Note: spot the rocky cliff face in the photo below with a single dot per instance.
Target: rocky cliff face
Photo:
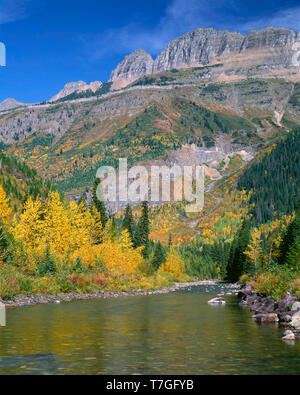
(9, 104)
(69, 88)
(197, 48)
(134, 66)
(269, 38)
(258, 50)
(93, 86)
(78, 87)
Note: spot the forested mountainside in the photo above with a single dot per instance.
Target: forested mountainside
(21, 181)
(252, 81)
(66, 142)
(275, 179)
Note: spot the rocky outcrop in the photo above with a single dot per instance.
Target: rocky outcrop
(269, 38)
(264, 50)
(134, 66)
(93, 86)
(9, 104)
(78, 87)
(197, 48)
(69, 88)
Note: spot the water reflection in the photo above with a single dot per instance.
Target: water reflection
(176, 333)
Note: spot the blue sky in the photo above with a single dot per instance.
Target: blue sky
(51, 42)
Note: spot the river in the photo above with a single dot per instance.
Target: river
(176, 333)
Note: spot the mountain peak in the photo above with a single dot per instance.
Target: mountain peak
(9, 104)
(136, 65)
(69, 88)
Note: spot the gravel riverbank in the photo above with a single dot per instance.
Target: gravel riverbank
(29, 300)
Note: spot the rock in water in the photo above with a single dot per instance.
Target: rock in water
(217, 301)
(288, 335)
(270, 317)
(296, 320)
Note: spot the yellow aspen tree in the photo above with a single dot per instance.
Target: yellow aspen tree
(174, 265)
(5, 209)
(56, 225)
(28, 227)
(97, 229)
(254, 250)
(81, 223)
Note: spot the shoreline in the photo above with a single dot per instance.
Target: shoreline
(285, 312)
(39, 299)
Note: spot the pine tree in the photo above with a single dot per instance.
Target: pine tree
(293, 256)
(291, 238)
(128, 221)
(113, 228)
(238, 262)
(159, 256)
(99, 204)
(143, 227)
(48, 265)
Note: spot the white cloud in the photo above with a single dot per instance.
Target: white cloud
(13, 10)
(286, 18)
(181, 16)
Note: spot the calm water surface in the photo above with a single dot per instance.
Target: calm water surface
(177, 333)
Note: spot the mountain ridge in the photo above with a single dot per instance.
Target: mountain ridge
(207, 46)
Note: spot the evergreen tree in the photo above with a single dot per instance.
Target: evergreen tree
(128, 222)
(291, 238)
(113, 230)
(47, 266)
(238, 262)
(143, 227)
(159, 256)
(99, 204)
(274, 179)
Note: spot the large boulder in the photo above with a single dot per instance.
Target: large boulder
(295, 306)
(288, 335)
(245, 291)
(217, 301)
(284, 304)
(285, 316)
(266, 305)
(296, 320)
(269, 317)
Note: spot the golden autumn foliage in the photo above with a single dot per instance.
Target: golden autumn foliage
(72, 232)
(173, 265)
(119, 256)
(5, 210)
(255, 250)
